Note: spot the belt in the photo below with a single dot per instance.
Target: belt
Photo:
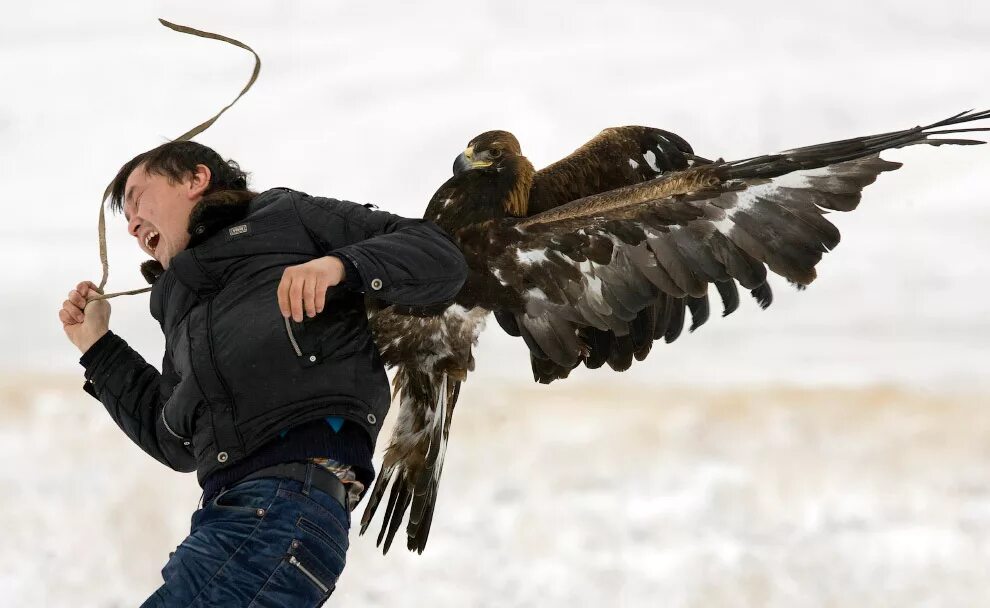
(321, 478)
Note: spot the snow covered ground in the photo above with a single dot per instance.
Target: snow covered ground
(830, 451)
(565, 497)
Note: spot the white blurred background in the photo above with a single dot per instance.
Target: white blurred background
(829, 451)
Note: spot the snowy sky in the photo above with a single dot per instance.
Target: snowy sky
(370, 104)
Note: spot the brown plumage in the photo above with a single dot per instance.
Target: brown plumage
(604, 164)
(616, 157)
(595, 257)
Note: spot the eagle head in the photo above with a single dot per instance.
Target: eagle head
(489, 148)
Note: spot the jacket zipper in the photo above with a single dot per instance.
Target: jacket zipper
(169, 429)
(213, 359)
(295, 562)
(292, 338)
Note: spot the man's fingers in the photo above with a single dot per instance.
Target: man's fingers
(283, 294)
(77, 298)
(309, 297)
(88, 290)
(85, 287)
(302, 292)
(72, 310)
(66, 318)
(321, 295)
(295, 300)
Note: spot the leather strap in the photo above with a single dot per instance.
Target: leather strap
(101, 226)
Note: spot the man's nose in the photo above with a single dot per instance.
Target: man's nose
(133, 226)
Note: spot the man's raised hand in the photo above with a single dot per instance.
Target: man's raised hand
(83, 319)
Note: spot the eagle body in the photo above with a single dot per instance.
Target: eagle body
(596, 257)
(433, 344)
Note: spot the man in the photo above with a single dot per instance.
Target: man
(271, 387)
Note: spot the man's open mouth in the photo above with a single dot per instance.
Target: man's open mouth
(151, 240)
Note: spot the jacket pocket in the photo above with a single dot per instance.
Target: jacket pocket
(175, 430)
(333, 334)
(171, 431)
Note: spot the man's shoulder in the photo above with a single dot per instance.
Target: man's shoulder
(283, 197)
(274, 196)
(282, 200)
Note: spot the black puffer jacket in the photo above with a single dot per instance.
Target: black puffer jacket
(236, 372)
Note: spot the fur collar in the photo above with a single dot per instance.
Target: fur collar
(213, 212)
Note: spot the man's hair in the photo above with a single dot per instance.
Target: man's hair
(176, 160)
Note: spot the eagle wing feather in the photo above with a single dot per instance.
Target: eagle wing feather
(616, 157)
(663, 256)
(670, 238)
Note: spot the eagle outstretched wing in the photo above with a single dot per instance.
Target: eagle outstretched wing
(599, 279)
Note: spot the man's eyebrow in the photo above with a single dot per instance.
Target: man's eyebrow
(130, 193)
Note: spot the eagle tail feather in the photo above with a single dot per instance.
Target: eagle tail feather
(414, 459)
(427, 482)
(384, 477)
(395, 498)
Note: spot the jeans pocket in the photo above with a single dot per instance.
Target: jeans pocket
(335, 538)
(253, 496)
(302, 576)
(319, 572)
(320, 508)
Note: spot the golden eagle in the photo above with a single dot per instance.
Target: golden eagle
(593, 258)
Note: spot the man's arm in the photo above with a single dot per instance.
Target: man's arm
(402, 260)
(134, 394)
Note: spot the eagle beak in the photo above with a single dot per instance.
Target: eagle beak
(461, 163)
(465, 161)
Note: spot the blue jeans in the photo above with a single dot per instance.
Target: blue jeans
(263, 542)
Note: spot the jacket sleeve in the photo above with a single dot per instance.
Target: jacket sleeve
(401, 260)
(134, 394)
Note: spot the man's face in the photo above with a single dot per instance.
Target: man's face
(157, 211)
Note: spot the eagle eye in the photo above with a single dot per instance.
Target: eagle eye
(495, 153)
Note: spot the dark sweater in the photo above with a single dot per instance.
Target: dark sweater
(350, 445)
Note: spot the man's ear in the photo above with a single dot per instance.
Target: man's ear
(200, 181)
